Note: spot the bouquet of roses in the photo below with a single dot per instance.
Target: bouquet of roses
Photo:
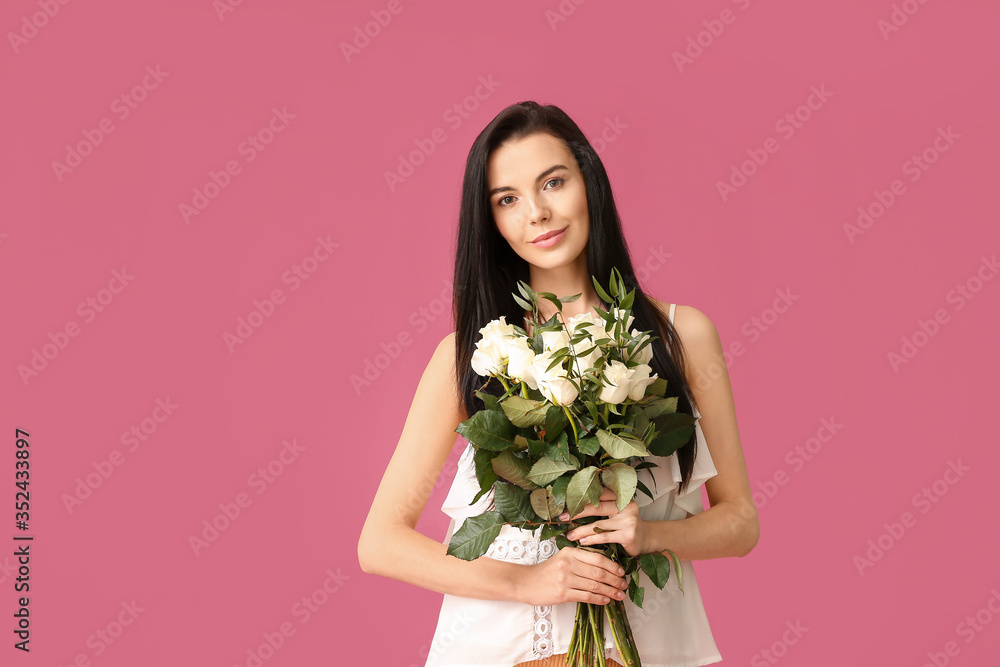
(581, 411)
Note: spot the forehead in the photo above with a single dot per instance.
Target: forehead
(523, 159)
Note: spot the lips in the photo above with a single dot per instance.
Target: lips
(548, 235)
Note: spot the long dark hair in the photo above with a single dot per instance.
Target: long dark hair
(487, 268)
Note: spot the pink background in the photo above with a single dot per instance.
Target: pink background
(681, 130)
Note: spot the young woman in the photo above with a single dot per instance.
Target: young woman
(537, 206)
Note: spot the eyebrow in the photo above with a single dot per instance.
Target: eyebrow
(507, 188)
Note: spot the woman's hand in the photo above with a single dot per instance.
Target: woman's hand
(626, 528)
(572, 575)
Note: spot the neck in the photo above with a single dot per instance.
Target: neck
(565, 281)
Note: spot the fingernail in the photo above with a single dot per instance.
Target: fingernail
(621, 571)
(564, 516)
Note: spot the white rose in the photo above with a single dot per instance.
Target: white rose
(519, 358)
(645, 355)
(582, 363)
(553, 383)
(588, 323)
(640, 380)
(487, 360)
(492, 346)
(497, 332)
(618, 383)
(619, 312)
(555, 340)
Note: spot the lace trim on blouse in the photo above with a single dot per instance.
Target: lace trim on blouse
(537, 551)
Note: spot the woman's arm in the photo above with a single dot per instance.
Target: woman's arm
(389, 544)
(729, 527)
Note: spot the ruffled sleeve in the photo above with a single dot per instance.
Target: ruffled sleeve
(664, 480)
(463, 489)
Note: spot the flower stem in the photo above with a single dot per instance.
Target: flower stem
(569, 416)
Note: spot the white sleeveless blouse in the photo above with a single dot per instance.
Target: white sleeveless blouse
(671, 629)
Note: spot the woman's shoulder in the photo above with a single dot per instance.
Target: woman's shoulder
(692, 325)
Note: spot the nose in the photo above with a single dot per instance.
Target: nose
(536, 211)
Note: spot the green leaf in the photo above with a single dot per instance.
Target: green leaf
(550, 530)
(657, 387)
(562, 542)
(484, 472)
(513, 503)
(521, 302)
(513, 469)
(524, 412)
(536, 448)
(600, 291)
(555, 422)
(489, 400)
(677, 569)
(627, 301)
(589, 445)
(571, 299)
(559, 450)
(546, 470)
(673, 431)
(621, 479)
(544, 504)
(635, 591)
(619, 447)
(642, 487)
(525, 289)
(660, 406)
(559, 490)
(584, 486)
(657, 568)
(551, 297)
(474, 537)
(489, 430)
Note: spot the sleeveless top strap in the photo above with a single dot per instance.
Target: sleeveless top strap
(671, 313)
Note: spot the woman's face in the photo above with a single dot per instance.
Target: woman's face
(536, 187)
